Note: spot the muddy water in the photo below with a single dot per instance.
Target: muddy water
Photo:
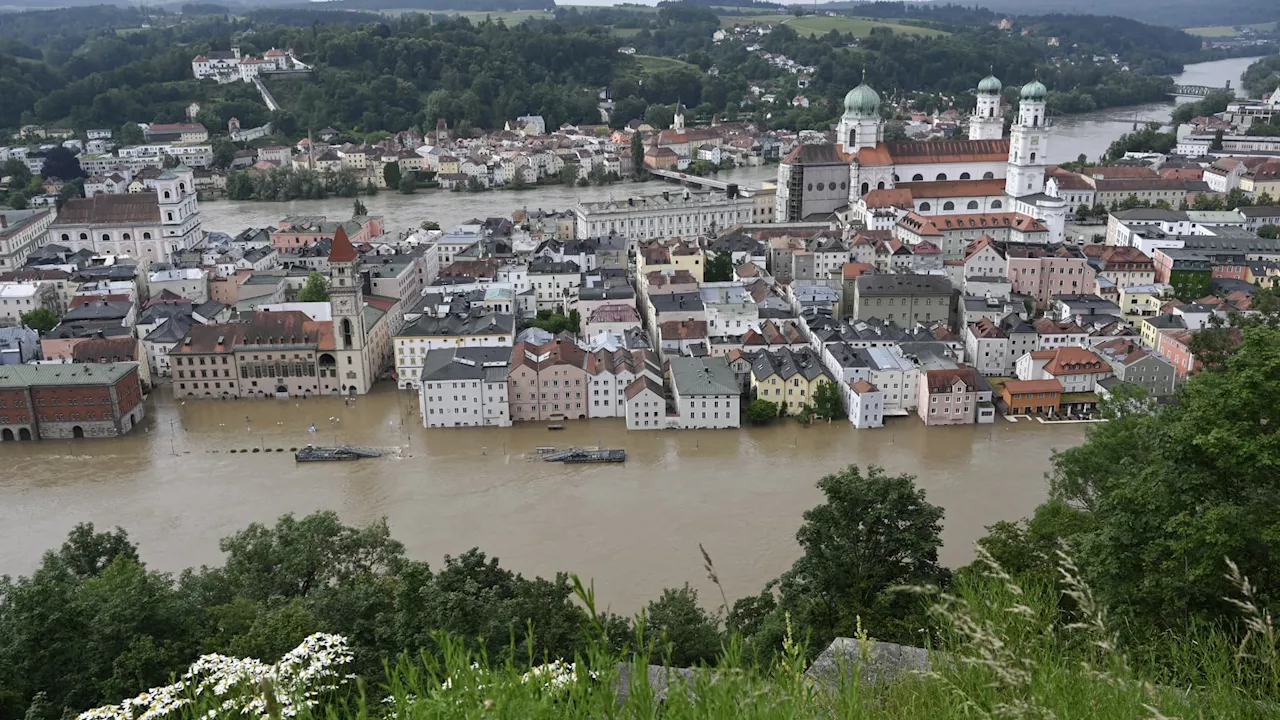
(634, 528)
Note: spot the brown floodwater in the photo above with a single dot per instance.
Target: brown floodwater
(634, 528)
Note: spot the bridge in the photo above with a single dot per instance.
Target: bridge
(1196, 90)
(699, 182)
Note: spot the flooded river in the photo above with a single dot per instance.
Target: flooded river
(633, 528)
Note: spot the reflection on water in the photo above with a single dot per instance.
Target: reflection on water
(634, 528)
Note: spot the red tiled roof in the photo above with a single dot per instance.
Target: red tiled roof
(1074, 361)
(920, 151)
(1032, 386)
(953, 188)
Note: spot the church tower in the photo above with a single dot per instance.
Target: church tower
(678, 123)
(860, 126)
(179, 213)
(346, 296)
(987, 123)
(1028, 144)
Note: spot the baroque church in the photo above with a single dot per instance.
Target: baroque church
(863, 178)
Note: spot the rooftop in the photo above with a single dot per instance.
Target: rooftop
(17, 376)
(702, 376)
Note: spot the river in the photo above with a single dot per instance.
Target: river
(633, 528)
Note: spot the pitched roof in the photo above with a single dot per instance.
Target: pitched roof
(105, 209)
(1033, 386)
(93, 350)
(910, 152)
(953, 188)
(642, 383)
(943, 380)
(1071, 361)
(342, 251)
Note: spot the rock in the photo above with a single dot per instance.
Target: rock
(884, 662)
(660, 679)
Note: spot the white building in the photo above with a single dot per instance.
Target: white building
(144, 226)
(646, 408)
(21, 231)
(866, 405)
(682, 214)
(896, 376)
(465, 387)
(705, 392)
(19, 298)
(192, 284)
(413, 342)
(987, 347)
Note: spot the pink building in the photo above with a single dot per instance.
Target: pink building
(949, 397)
(548, 382)
(1043, 271)
(296, 232)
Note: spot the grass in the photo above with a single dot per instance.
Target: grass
(624, 32)
(813, 25)
(654, 63)
(1229, 31)
(1010, 650)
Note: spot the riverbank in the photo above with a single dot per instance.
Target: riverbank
(633, 527)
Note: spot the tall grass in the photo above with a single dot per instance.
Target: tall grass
(1006, 652)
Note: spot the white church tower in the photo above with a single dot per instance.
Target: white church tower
(179, 211)
(860, 126)
(987, 122)
(1028, 144)
(677, 123)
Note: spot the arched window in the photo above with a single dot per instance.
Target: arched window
(1033, 157)
(146, 236)
(924, 206)
(996, 204)
(917, 177)
(346, 333)
(84, 236)
(182, 187)
(866, 188)
(166, 195)
(973, 205)
(948, 205)
(106, 237)
(169, 215)
(126, 237)
(988, 175)
(896, 178)
(991, 112)
(66, 237)
(964, 176)
(1035, 121)
(941, 176)
(880, 185)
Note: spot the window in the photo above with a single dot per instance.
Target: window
(925, 207)
(973, 205)
(941, 176)
(917, 177)
(948, 205)
(964, 176)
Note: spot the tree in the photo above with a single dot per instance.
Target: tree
(637, 154)
(1269, 231)
(42, 320)
(827, 402)
(17, 172)
(61, 163)
(760, 412)
(689, 635)
(73, 189)
(873, 534)
(568, 174)
(430, 225)
(316, 289)
(224, 153)
(719, 267)
(391, 174)
(1216, 144)
(129, 134)
(358, 209)
(408, 185)
(17, 200)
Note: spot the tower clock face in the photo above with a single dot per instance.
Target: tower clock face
(342, 305)
(1035, 139)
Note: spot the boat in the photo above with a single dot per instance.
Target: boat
(555, 427)
(584, 455)
(312, 453)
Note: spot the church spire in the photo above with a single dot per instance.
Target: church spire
(342, 250)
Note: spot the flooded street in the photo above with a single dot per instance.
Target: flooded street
(633, 528)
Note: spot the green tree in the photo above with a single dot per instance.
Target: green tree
(358, 209)
(41, 320)
(71, 190)
(128, 134)
(688, 635)
(637, 155)
(1269, 231)
(391, 174)
(17, 172)
(316, 289)
(61, 163)
(1216, 143)
(719, 267)
(760, 412)
(408, 185)
(569, 174)
(873, 534)
(430, 225)
(827, 402)
(224, 153)
(17, 200)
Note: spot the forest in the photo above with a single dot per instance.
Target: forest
(1150, 528)
(95, 67)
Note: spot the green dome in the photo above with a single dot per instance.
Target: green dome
(862, 101)
(1034, 91)
(990, 85)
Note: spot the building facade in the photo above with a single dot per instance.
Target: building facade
(45, 402)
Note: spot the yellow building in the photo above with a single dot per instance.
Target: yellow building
(1152, 327)
(1140, 301)
(660, 255)
(449, 165)
(788, 377)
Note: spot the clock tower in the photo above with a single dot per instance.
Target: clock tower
(346, 297)
(1028, 144)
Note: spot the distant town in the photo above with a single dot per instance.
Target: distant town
(958, 280)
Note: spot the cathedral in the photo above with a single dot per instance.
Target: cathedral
(987, 174)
